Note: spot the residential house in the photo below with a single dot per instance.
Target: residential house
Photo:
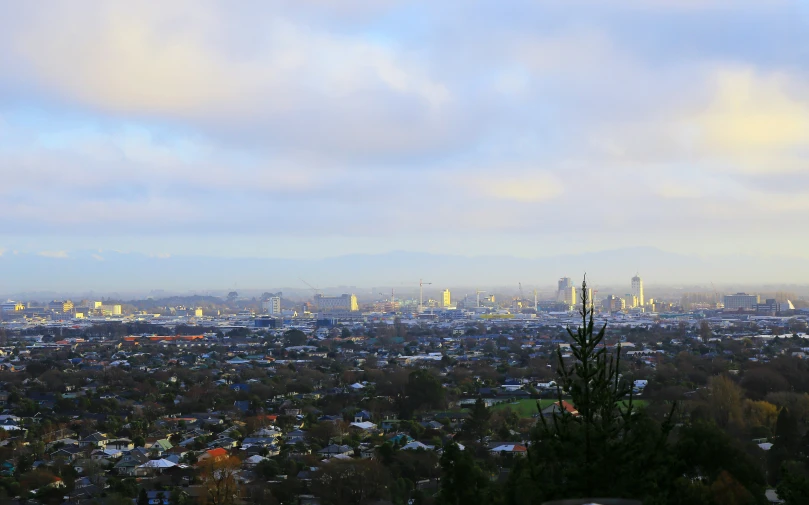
(515, 449)
(129, 463)
(158, 497)
(554, 408)
(68, 453)
(362, 416)
(217, 454)
(365, 426)
(253, 461)
(95, 440)
(334, 450)
(121, 444)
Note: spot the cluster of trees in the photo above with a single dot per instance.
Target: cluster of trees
(609, 448)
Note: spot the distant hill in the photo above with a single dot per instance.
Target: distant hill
(135, 275)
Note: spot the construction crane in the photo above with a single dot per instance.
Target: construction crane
(421, 294)
(477, 293)
(316, 290)
(536, 304)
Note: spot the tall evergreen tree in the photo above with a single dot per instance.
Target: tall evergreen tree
(477, 424)
(463, 482)
(603, 448)
(786, 443)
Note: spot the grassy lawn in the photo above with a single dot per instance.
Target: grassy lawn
(637, 403)
(528, 407)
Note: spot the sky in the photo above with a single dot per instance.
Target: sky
(315, 128)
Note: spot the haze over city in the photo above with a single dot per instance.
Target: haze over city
(388, 252)
(303, 130)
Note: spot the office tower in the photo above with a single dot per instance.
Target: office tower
(564, 285)
(630, 301)
(447, 299)
(272, 305)
(568, 295)
(637, 290)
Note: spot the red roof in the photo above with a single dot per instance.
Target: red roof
(570, 408)
(217, 452)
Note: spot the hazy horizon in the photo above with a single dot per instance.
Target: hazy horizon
(108, 272)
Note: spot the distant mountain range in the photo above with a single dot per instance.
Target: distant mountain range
(129, 274)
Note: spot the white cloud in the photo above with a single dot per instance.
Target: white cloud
(53, 254)
(317, 119)
(259, 83)
(760, 123)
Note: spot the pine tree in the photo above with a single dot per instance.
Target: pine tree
(477, 424)
(603, 448)
(463, 482)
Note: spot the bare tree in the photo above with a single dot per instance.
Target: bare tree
(219, 480)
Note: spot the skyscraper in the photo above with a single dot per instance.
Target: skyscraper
(447, 299)
(637, 290)
(564, 286)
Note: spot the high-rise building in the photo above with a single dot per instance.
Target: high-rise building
(564, 289)
(568, 295)
(637, 290)
(741, 301)
(447, 298)
(272, 305)
(630, 301)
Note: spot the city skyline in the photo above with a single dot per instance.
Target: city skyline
(310, 130)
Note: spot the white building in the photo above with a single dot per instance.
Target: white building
(272, 306)
(637, 290)
(343, 302)
(741, 301)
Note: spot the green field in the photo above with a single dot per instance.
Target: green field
(528, 407)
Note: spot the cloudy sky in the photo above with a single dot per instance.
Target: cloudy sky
(313, 128)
